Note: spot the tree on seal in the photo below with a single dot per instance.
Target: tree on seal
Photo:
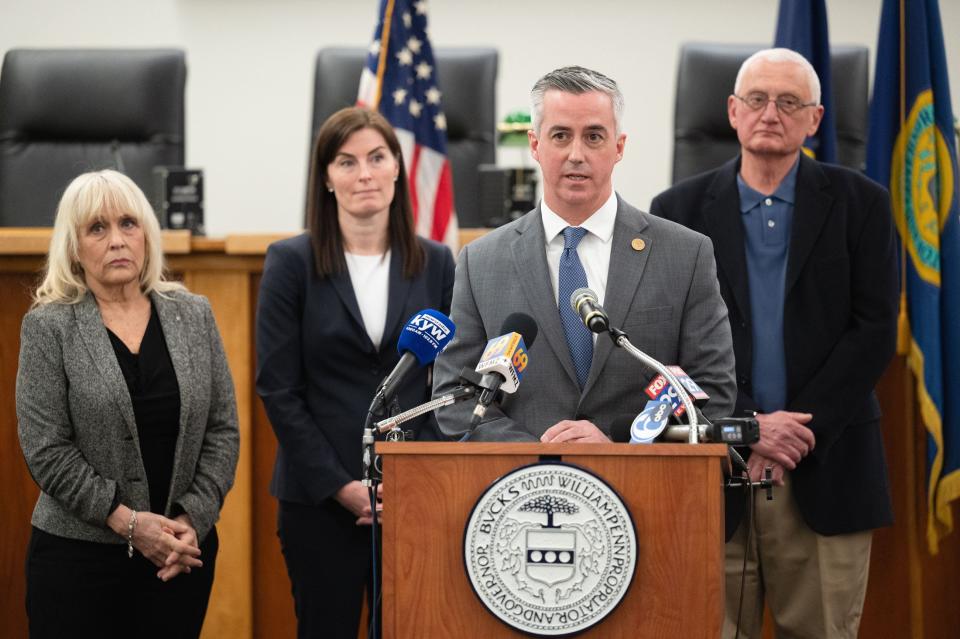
(550, 505)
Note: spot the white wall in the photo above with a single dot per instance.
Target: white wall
(250, 62)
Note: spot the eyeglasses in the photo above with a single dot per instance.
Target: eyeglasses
(786, 104)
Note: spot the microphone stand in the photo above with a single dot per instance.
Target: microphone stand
(370, 483)
(620, 339)
(369, 479)
(765, 484)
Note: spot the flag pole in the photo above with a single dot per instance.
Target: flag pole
(384, 48)
(903, 320)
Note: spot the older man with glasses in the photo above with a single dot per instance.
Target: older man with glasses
(807, 267)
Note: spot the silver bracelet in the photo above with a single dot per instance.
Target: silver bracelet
(130, 526)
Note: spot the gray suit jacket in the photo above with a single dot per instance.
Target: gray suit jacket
(665, 296)
(77, 427)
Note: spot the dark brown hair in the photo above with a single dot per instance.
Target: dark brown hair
(322, 222)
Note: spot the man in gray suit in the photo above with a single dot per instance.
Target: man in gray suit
(656, 279)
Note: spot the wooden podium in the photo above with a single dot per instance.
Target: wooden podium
(673, 492)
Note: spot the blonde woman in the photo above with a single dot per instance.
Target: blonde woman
(128, 424)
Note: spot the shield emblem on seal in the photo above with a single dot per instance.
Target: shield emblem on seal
(551, 555)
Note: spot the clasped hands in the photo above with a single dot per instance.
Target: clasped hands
(171, 544)
(785, 439)
(355, 497)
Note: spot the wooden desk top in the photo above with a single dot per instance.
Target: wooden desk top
(30, 241)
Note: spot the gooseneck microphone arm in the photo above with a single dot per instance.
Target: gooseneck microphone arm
(458, 394)
(585, 303)
(623, 341)
(371, 430)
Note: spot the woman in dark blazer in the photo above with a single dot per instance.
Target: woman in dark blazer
(128, 424)
(332, 303)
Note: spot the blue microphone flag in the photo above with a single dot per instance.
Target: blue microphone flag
(425, 335)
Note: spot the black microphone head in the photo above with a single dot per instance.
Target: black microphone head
(620, 428)
(586, 304)
(583, 294)
(523, 324)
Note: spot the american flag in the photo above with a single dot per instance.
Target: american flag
(400, 80)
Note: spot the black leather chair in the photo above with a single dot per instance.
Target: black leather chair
(67, 111)
(466, 76)
(703, 138)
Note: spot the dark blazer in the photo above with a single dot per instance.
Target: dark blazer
(317, 369)
(77, 427)
(664, 296)
(840, 312)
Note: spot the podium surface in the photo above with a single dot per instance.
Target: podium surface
(672, 491)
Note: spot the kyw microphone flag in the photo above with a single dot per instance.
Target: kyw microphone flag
(912, 150)
(399, 79)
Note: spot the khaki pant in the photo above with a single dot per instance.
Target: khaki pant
(814, 585)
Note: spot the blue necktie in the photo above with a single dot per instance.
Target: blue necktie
(572, 277)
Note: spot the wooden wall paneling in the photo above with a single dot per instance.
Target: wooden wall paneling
(18, 492)
(889, 602)
(273, 612)
(230, 613)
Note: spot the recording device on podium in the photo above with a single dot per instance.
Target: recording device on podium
(653, 422)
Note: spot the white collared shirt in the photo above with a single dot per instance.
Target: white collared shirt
(370, 277)
(593, 250)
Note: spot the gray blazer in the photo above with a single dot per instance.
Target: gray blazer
(665, 296)
(77, 427)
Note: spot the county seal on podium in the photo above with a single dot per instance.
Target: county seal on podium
(550, 549)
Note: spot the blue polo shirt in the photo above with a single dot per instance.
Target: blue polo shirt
(767, 220)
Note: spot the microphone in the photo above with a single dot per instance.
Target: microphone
(503, 361)
(620, 339)
(425, 334)
(733, 431)
(642, 428)
(585, 303)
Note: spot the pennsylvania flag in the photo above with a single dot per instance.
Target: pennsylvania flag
(911, 147)
(802, 26)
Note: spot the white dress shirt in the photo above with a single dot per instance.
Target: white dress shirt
(593, 250)
(370, 276)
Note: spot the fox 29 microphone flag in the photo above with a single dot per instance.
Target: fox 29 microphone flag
(912, 150)
(400, 80)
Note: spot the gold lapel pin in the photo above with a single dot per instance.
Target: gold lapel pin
(638, 244)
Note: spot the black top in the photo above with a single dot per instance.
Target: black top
(155, 394)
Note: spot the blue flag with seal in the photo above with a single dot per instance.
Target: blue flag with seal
(802, 26)
(912, 149)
